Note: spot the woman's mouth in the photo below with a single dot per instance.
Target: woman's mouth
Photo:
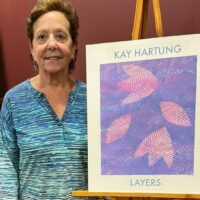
(53, 57)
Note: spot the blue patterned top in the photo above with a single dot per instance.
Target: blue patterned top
(42, 157)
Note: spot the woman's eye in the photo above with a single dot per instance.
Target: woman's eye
(42, 37)
(60, 37)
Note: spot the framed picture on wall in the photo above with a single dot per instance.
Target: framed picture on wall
(143, 113)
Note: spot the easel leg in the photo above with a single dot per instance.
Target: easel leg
(137, 19)
(158, 19)
(144, 18)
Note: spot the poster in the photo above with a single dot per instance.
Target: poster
(143, 115)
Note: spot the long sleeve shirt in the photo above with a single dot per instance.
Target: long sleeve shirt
(42, 157)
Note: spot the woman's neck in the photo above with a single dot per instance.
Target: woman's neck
(44, 83)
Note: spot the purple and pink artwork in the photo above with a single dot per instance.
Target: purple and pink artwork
(147, 116)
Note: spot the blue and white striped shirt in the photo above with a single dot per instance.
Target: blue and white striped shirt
(42, 157)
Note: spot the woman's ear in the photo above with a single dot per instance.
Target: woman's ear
(74, 49)
(34, 63)
(31, 49)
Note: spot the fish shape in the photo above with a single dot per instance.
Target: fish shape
(157, 145)
(141, 83)
(118, 128)
(174, 113)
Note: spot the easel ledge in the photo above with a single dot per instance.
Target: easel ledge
(84, 193)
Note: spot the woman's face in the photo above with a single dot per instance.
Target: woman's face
(52, 47)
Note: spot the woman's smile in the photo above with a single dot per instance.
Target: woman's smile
(53, 57)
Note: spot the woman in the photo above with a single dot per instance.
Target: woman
(43, 153)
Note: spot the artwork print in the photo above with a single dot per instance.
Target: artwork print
(147, 116)
(143, 106)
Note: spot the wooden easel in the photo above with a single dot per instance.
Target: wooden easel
(140, 19)
(139, 31)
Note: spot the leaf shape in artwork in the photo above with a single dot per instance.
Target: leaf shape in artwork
(174, 113)
(141, 83)
(118, 128)
(157, 145)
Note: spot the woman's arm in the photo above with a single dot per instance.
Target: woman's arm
(9, 155)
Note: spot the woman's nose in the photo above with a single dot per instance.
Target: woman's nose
(52, 44)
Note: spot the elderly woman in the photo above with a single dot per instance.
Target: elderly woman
(43, 130)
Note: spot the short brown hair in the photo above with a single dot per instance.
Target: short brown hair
(44, 6)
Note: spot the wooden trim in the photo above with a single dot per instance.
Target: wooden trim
(119, 195)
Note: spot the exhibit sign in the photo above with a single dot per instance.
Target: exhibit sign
(143, 115)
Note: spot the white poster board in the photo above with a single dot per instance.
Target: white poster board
(143, 115)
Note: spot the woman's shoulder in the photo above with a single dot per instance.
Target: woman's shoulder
(81, 83)
(81, 86)
(80, 91)
(16, 90)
